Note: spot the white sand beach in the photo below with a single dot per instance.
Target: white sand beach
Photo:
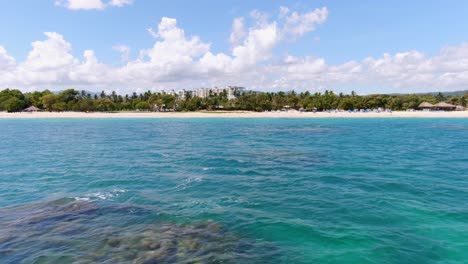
(237, 114)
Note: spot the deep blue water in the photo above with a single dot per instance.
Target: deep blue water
(234, 191)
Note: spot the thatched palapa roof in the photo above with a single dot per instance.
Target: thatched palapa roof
(426, 105)
(31, 109)
(444, 105)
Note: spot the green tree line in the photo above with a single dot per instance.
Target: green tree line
(12, 100)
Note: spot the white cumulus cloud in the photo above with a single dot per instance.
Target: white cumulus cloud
(238, 31)
(297, 25)
(283, 11)
(81, 4)
(124, 52)
(50, 54)
(91, 4)
(120, 3)
(6, 61)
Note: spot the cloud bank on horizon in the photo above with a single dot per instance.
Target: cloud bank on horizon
(179, 60)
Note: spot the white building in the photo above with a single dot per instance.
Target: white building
(232, 92)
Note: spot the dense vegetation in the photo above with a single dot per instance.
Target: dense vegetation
(73, 100)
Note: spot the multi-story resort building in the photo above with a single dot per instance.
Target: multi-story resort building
(232, 92)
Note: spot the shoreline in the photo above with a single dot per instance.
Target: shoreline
(234, 114)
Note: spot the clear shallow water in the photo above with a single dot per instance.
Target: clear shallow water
(234, 191)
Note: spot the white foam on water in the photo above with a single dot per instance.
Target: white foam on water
(101, 195)
(186, 183)
(193, 179)
(84, 199)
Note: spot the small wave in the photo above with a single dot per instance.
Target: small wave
(84, 199)
(449, 127)
(186, 183)
(193, 179)
(298, 130)
(236, 160)
(101, 195)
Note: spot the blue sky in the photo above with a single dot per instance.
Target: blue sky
(331, 53)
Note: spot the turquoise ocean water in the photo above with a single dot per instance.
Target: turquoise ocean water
(234, 191)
